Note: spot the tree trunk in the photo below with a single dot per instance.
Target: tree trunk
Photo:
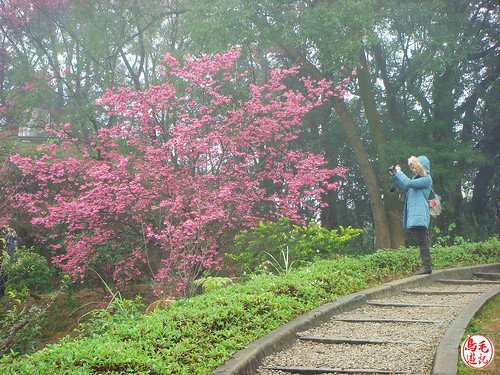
(397, 120)
(391, 206)
(382, 232)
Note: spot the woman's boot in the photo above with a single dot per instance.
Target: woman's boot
(425, 255)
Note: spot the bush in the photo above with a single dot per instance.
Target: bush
(406, 260)
(280, 243)
(196, 335)
(30, 271)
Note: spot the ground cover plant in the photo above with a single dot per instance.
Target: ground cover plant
(195, 335)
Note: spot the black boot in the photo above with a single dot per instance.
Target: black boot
(425, 255)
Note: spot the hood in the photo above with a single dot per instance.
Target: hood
(425, 163)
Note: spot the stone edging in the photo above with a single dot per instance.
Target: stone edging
(246, 361)
(446, 357)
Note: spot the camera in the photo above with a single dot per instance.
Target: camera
(392, 169)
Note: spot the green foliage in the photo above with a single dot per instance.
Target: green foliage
(467, 253)
(196, 335)
(400, 261)
(118, 309)
(211, 283)
(476, 228)
(281, 264)
(403, 260)
(30, 271)
(104, 255)
(24, 99)
(446, 237)
(281, 243)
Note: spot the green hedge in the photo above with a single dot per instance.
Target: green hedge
(196, 335)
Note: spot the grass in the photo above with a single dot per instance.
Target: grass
(196, 335)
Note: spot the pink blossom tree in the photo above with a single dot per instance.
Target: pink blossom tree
(186, 164)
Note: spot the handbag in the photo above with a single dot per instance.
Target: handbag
(435, 207)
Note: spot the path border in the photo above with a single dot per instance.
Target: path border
(446, 357)
(248, 360)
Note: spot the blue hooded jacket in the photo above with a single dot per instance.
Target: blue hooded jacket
(416, 206)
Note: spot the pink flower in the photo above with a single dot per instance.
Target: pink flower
(182, 170)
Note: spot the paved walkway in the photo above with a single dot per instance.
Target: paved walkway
(403, 327)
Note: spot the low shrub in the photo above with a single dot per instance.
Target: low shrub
(30, 271)
(195, 335)
(279, 245)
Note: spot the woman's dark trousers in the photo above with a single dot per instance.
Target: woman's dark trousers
(422, 237)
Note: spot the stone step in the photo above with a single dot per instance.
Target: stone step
(376, 320)
(329, 370)
(398, 304)
(439, 292)
(467, 282)
(495, 276)
(346, 340)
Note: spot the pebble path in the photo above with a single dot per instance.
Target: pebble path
(395, 335)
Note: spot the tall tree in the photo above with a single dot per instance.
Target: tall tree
(414, 67)
(68, 52)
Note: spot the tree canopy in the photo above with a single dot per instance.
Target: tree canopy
(425, 82)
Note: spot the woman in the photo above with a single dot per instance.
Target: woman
(416, 216)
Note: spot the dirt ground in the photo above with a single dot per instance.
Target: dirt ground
(66, 311)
